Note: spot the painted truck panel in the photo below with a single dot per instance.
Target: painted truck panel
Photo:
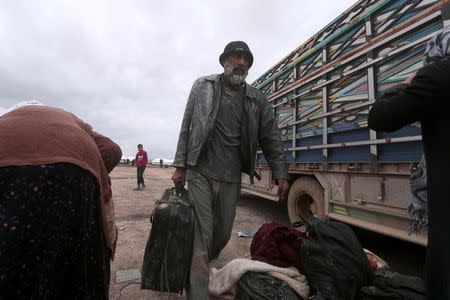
(321, 94)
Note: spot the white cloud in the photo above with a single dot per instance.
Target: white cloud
(126, 67)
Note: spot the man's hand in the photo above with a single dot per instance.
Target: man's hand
(283, 188)
(179, 175)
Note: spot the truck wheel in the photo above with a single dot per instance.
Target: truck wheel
(305, 199)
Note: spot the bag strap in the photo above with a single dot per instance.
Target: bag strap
(323, 244)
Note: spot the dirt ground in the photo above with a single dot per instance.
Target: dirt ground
(133, 209)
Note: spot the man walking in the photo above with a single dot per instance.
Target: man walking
(224, 121)
(141, 161)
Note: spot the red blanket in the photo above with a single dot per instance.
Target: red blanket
(278, 245)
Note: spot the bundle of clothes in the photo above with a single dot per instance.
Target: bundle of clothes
(324, 261)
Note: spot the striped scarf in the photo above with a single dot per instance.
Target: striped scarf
(438, 46)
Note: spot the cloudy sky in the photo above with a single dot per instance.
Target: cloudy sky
(126, 67)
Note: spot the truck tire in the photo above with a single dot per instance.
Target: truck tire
(306, 197)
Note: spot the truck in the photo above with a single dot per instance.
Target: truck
(321, 94)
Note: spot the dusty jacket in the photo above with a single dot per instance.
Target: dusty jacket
(260, 128)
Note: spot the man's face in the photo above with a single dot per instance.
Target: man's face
(140, 148)
(236, 68)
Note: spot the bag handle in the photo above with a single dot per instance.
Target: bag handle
(179, 187)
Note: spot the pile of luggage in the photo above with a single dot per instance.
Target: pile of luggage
(325, 261)
(333, 261)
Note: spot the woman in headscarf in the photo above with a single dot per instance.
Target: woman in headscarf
(422, 100)
(57, 231)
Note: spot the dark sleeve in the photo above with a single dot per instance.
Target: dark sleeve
(406, 104)
(270, 141)
(109, 151)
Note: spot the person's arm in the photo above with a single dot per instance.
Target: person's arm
(180, 156)
(270, 142)
(183, 139)
(109, 151)
(408, 103)
(145, 157)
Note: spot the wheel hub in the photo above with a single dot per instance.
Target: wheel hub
(305, 207)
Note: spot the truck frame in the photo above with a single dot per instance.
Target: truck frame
(321, 94)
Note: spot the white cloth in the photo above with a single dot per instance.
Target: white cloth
(381, 263)
(222, 284)
(21, 104)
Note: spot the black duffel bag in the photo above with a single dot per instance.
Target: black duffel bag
(168, 253)
(334, 261)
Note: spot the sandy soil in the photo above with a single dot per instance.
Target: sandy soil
(133, 209)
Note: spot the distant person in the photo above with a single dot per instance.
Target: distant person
(161, 163)
(422, 100)
(141, 161)
(57, 232)
(224, 122)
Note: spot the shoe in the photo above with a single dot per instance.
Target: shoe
(137, 188)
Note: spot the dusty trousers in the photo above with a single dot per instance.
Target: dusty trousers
(215, 210)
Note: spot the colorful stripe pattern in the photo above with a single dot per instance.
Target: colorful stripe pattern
(372, 46)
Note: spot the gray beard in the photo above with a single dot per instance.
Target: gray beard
(233, 76)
